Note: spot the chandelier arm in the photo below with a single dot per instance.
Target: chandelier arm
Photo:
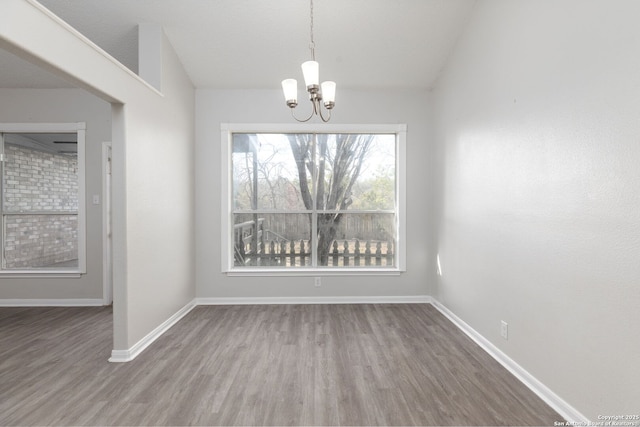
(302, 120)
(322, 115)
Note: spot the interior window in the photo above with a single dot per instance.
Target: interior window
(40, 202)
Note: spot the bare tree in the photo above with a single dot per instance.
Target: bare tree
(336, 170)
(261, 181)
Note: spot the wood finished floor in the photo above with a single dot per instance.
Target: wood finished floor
(382, 364)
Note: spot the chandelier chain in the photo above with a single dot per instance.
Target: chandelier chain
(312, 45)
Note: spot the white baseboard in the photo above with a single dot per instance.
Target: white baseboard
(409, 299)
(130, 354)
(76, 302)
(568, 412)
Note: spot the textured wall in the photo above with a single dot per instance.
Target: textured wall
(538, 130)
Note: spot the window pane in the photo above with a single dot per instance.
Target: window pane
(36, 180)
(41, 241)
(356, 171)
(343, 187)
(356, 240)
(278, 240)
(265, 171)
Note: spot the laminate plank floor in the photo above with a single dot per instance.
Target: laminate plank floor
(381, 364)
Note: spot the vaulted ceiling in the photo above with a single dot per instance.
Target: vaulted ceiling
(253, 44)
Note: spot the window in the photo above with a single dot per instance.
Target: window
(42, 203)
(312, 201)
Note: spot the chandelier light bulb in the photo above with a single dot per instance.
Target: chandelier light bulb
(290, 89)
(311, 72)
(329, 94)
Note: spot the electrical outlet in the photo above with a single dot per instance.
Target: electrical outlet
(317, 282)
(504, 329)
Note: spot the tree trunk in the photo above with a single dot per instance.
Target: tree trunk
(341, 168)
(327, 229)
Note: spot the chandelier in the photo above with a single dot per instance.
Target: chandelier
(325, 93)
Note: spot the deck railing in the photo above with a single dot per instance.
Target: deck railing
(267, 249)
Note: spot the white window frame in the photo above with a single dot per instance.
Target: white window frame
(79, 129)
(226, 135)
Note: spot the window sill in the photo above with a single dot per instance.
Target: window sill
(40, 274)
(262, 272)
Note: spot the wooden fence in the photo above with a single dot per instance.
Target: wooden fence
(262, 249)
(364, 226)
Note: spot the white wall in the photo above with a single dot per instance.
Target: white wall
(537, 127)
(153, 146)
(160, 232)
(214, 107)
(69, 106)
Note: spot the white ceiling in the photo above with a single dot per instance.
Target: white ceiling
(248, 44)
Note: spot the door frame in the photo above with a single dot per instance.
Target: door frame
(107, 251)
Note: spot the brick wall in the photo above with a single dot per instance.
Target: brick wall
(36, 181)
